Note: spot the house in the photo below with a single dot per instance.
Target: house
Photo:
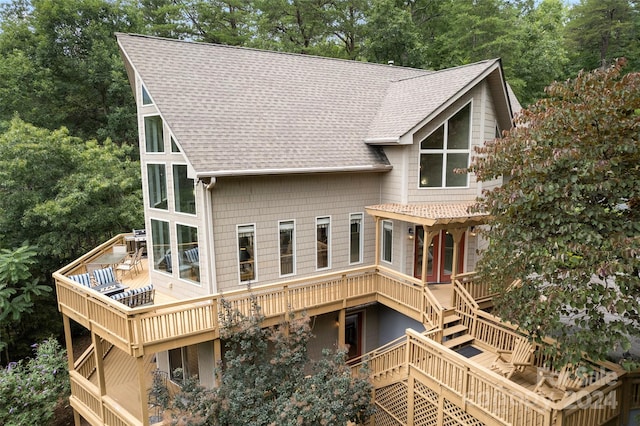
(322, 185)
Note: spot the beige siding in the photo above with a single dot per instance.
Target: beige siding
(393, 187)
(265, 200)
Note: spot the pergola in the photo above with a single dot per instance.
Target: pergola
(455, 218)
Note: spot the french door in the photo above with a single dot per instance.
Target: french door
(439, 258)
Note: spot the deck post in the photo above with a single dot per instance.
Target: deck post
(342, 315)
(68, 342)
(97, 353)
(410, 400)
(144, 400)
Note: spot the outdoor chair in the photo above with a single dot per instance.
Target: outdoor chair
(131, 262)
(521, 357)
(104, 276)
(136, 296)
(84, 279)
(556, 385)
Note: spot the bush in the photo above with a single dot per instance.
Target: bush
(31, 388)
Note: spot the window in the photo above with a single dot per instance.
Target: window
(153, 135)
(188, 253)
(146, 99)
(387, 240)
(323, 240)
(287, 247)
(246, 252)
(161, 246)
(157, 178)
(355, 238)
(445, 150)
(174, 145)
(183, 363)
(184, 190)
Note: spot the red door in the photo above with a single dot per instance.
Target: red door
(439, 258)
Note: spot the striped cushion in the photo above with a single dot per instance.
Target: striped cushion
(84, 279)
(192, 255)
(104, 276)
(119, 296)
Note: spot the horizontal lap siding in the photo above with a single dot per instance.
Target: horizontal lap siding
(266, 200)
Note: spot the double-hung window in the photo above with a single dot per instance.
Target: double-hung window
(323, 242)
(246, 252)
(387, 241)
(447, 148)
(287, 247)
(355, 237)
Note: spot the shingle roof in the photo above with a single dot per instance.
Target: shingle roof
(244, 111)
(430, 214)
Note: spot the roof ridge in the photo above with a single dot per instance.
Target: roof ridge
(255, 49)
(442, 71)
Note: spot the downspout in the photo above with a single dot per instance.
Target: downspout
(208, 217)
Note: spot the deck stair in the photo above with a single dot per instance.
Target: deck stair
(454, 333)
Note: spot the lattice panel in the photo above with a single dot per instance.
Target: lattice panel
(384, 419)
(424, 412)
(455, 416)
(426, 392)
(394, 399)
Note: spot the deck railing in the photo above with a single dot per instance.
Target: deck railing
(134, 329)
(478, 290)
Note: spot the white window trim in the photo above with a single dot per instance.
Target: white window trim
(143, 132)
(167, 180)
(143, 89)
(361, 237)
(315, 242)
(293, 252)
(384, 241)
(255, 253)
(190, 225)
(445, 151)
(173, 191)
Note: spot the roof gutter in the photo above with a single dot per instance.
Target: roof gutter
(382, 141)
(291, 171)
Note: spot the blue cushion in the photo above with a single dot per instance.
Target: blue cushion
(84, 279)
(104, 276)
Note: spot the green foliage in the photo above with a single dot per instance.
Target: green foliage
(266, 380)
(566, 221)
(32, 388)
(17, 291)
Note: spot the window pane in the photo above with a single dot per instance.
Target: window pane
(456, 161)
(161, 247)
(188, 253)
(157, 178)
(387, 240)
(322, 242)
(246, 249)
(183, 187)
(146, 99)
(435, 140)
(431, 170)
(287, 249)
(458, 131)
(153, 134)
(174, 145)
(355, 240)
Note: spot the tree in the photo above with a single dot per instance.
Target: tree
(567, 218)
(599, 31)
(266, 379)
(18, 289)
(32, 388)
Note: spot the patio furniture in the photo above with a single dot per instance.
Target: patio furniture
(107, 259)
(521, 357)
(556, 385)
(105, 276)
(110, 289)
(84, 279)
(136, 296)
(131, 262)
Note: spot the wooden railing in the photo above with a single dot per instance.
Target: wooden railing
(478, 290)
(134, 329)
(465, 306)
(465, 382)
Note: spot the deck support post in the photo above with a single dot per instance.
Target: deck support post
(144, 399)
(97, 353)
(68, 342)
(217, 358)
(342, 315)
(410, 399)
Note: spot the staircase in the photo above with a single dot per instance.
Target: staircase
(454, 334)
